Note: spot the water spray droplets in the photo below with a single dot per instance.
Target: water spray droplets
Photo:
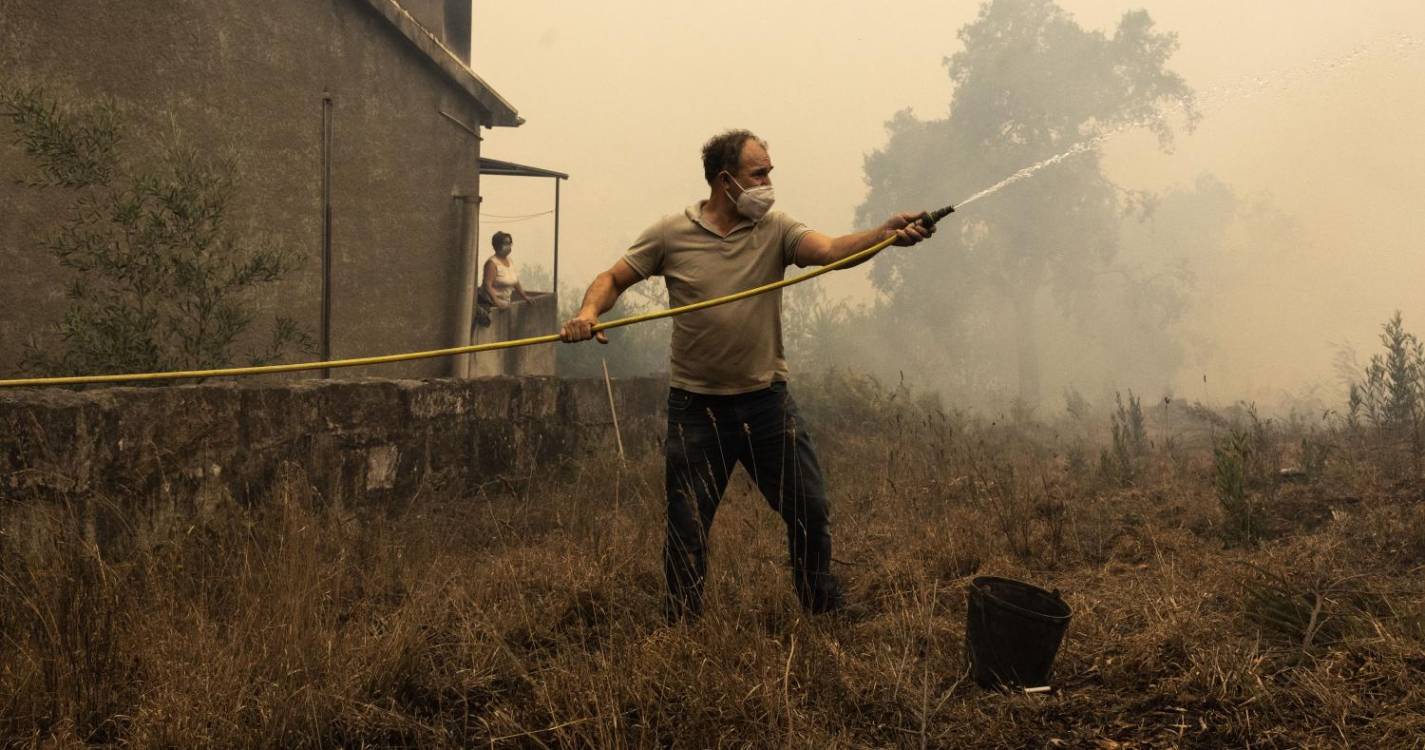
(1031, 169)
(1210, 100)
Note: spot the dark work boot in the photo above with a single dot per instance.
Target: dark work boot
(821, 596)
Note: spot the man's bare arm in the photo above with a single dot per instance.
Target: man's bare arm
(817, 249)
(599, 299)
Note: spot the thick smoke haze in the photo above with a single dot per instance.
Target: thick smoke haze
(1312, 117)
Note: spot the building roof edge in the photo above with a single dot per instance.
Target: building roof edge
(502, 113)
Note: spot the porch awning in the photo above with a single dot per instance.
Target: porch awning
(511, 169)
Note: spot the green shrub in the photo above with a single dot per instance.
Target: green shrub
(1231, 457)
(1388, 398)
(1122, 462)
(159, 280)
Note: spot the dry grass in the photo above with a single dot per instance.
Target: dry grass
(530, 617)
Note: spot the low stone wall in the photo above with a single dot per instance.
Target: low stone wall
(195, 448)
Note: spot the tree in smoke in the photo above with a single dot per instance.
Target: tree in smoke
(1029, 84)
(1141, 314)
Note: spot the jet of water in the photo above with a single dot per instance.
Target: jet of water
(1028, 171)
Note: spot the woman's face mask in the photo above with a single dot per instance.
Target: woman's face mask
(753, 202)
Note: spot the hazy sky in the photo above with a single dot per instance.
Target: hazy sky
(1321, 108)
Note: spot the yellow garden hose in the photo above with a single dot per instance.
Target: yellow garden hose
(929, 218)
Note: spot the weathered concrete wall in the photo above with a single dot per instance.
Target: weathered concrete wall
(448, 20)
(195, 449)
(537, 317)
(429, 13)
(246, 79)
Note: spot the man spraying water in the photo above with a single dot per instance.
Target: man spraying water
(728, 401)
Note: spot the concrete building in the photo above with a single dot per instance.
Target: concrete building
(356, 129)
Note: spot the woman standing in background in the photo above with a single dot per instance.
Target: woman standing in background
(500, 281)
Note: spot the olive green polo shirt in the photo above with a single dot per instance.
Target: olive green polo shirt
(735, 347)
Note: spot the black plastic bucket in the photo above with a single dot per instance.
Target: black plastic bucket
(1012, 632)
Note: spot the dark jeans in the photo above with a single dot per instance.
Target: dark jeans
(707, 437)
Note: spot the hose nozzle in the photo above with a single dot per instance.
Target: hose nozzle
(929, 218)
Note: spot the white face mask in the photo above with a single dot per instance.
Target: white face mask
(753, 202)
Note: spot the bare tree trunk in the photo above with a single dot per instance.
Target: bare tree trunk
(1027, 341)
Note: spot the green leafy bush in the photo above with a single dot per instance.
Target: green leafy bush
(1387, 400)
(159, 280)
